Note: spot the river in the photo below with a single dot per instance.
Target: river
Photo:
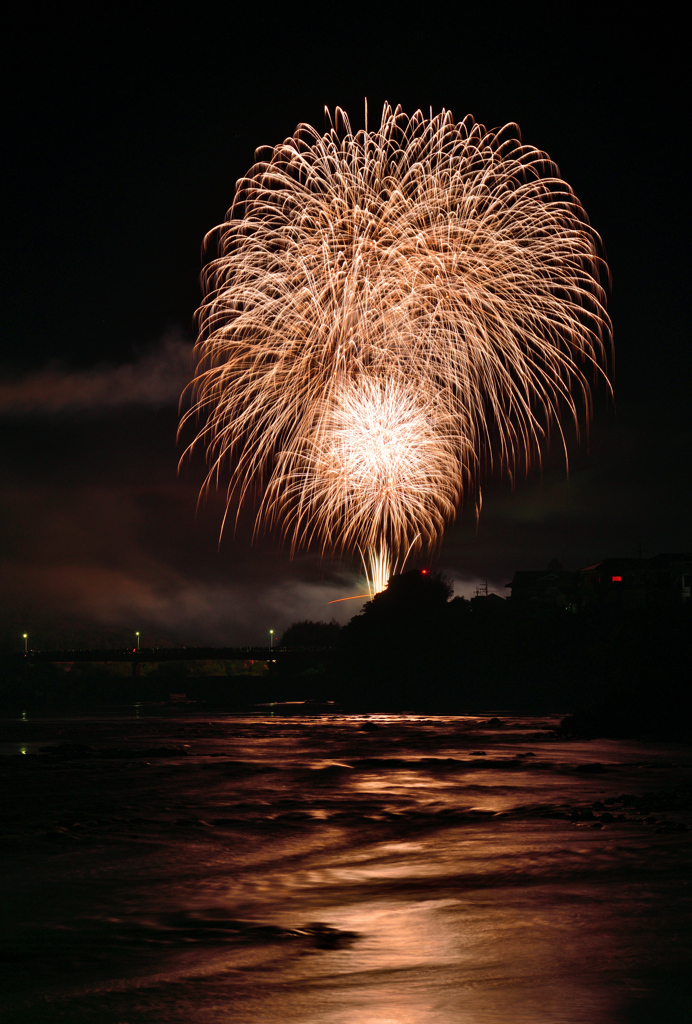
(175, 866)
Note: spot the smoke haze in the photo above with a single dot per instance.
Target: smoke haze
(156, 378)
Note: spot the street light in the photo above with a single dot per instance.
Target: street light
(271, 640)
(137, 635)
(25, 635)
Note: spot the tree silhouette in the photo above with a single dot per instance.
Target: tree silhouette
(393, 645)
(415, 591)
(310, 635)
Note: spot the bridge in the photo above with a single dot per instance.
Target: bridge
(271, 655)
(159, 654)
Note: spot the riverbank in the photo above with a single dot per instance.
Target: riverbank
(657, 708)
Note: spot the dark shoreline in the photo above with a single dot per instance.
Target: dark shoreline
(637, 722)
(615, 675)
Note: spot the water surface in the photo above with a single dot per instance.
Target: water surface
(182, 867)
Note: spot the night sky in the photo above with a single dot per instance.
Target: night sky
(124, 139)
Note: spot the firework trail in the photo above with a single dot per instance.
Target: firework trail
(385, 315)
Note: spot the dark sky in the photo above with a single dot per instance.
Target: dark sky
(124, 138)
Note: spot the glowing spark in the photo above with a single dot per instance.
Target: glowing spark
(385, 315)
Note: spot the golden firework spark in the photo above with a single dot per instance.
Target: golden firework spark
(386, 314)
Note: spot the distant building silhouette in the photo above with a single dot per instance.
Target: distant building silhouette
(623, 583)
(543, 588)
(487, 603)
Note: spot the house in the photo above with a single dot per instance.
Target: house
(631, 583)
(543, 588)
(617, 583)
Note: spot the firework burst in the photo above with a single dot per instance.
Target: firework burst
(386, 314)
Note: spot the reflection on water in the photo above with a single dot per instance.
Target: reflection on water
(303, 870)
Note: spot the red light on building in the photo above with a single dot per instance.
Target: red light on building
(617, 579)
(424, 572)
